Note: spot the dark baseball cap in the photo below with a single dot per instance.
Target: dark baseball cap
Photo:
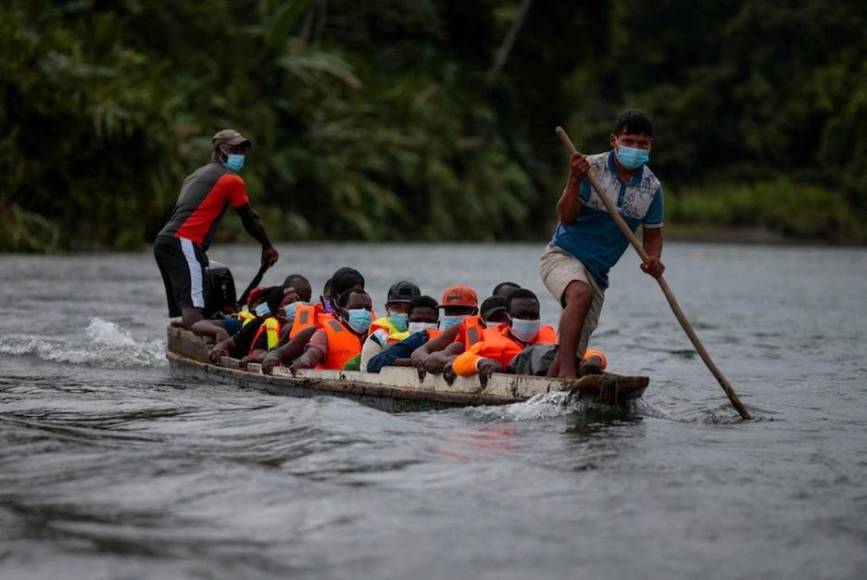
(230, 137)
(491, 305)
(402, 293)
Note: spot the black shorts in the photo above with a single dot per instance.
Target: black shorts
(182, 264)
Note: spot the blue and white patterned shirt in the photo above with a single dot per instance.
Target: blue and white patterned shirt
(594, 238)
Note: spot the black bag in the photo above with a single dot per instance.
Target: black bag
(220, 294)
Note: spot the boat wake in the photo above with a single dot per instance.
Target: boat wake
(540, 407)
(553, 405)
(105, 344)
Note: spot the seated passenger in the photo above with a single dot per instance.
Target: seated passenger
(504, 288)
(500, 344)
(460, 327)
(311, 317)
(298, 288)
(395, 322)
(238, 345)
(269, 334)
(314, 315)
(422, 326)
(236, 321)
(392, 328)
(340, 338)
(493, 310)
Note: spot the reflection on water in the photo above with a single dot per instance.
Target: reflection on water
(111, 468)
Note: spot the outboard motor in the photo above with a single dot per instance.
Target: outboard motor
(220, 297)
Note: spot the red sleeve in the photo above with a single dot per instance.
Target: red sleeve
(232, 189)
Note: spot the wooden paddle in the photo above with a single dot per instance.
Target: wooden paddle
(253, 283)
(669, 295)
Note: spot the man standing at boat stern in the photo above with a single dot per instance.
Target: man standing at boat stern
(587, 242)
(205, 195)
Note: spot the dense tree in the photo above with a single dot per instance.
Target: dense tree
(388, 120)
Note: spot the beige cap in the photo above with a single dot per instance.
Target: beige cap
(230, 137)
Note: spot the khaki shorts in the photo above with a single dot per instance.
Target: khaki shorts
(559, 269)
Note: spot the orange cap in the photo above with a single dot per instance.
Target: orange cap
(460, 296)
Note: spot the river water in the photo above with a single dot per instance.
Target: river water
(111, 468)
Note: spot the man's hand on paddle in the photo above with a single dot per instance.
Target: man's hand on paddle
(653, 266)
(269, 255)
(578, 168)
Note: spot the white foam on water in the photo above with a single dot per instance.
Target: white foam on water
(552, 405)
(544, 406)
(104, 344)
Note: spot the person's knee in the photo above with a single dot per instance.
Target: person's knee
(577, 295)
(190, 316)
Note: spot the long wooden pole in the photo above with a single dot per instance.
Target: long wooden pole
(669, 295)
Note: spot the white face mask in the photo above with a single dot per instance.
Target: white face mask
(525, 330)
(421, 326)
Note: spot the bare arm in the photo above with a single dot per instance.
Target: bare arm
(314, 353)
(288, 352)
(254, 226)
(223, 348)
(653, 247)
(435, 345)
(569, 205)
(308, 360)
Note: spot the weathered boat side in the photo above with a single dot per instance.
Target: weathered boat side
(395, 389)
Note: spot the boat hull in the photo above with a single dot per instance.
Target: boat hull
(395, 389)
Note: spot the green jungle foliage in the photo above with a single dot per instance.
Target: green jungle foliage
(389, 119)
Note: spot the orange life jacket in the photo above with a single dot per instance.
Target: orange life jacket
(498, 344)
(432, 333)
(343, 344)
(308, 316)
(271, 327)
(473, 330)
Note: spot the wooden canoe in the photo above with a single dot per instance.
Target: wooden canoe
(395, 389)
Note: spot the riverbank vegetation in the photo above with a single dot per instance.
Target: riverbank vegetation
(422, 120)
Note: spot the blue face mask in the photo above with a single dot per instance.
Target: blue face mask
(525, 330)
(263, 309)
(400, 320)
(632, 157)
(234, 162)
(359, 319)
(290, 309)
(449, 321)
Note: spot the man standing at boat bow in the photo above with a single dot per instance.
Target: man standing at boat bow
(587, 242)
(205, 195)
